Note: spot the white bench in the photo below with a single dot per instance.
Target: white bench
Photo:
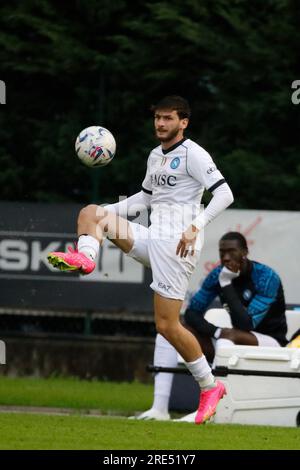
(263, 384)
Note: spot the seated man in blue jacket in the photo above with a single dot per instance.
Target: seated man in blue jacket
(252, 294)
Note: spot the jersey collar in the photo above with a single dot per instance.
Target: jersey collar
(173, 146)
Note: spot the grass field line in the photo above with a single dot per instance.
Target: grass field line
(122, 399)
(55, 411)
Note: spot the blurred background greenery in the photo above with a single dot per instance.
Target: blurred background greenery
(68, 65)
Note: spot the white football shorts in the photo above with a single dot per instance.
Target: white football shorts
(170, 273)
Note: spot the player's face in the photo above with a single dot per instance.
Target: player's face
(168, 125)
(232, 256)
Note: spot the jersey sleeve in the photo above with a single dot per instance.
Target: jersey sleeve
(130, 206)
(147, 184)
(268, 284)
(202, 168)
(222, 198)
(207, 293)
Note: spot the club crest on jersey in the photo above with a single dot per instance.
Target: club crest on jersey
(175, 163)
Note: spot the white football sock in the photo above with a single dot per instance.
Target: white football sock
(89, 246)
(201, 372)
(165, 355)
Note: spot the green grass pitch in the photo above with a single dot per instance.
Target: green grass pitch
(77, 431)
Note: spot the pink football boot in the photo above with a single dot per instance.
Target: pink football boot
(71, 261)
(209, 400)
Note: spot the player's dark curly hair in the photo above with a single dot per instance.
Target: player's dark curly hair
(174, 103)
(236, 236)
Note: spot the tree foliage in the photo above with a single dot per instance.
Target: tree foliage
(68, 65)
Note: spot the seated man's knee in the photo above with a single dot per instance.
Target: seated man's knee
(189, 317)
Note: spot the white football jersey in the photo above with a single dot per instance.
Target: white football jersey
(176, 178)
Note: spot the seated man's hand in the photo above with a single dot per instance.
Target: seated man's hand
(226, 276)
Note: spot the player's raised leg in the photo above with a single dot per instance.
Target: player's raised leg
(94, 224)
(167, 321)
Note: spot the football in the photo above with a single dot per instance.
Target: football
(95, 146)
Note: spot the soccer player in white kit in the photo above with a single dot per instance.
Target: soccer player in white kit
(178, 171)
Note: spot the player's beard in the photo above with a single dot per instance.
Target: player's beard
(168, 136)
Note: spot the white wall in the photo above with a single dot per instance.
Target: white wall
(273, 238)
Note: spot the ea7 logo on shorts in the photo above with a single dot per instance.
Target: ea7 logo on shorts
(164, 286)
(211, 169)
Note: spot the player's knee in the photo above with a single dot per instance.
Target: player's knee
(88, 213)
(91, 213)
(166, 329)
(162, 328)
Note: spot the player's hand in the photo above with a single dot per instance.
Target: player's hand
(187, 242)
(226, 276)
